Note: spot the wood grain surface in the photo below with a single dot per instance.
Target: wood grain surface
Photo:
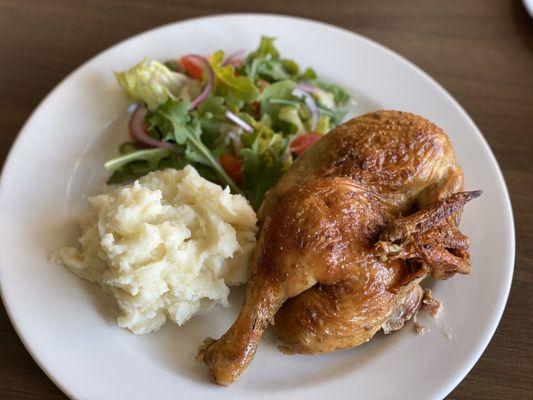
(481, 51)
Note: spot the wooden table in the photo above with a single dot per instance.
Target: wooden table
(480, 50)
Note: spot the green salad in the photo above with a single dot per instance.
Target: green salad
(240, 120)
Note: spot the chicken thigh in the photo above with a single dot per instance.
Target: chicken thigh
(345, 238)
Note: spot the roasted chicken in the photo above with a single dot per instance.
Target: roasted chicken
(345, 238)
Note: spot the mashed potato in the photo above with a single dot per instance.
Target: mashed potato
(165, 247)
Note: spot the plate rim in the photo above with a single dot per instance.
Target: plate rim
(496, 316)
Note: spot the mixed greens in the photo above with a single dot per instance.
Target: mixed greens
(240, 121)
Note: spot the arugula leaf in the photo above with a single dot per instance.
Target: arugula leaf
(272, 71)
(213, 105)
(258, 176)
(173, 118)
(236, 90)
(264, 62)
(277, 70)
(266, 49)
(211, 114)
(307, 75)
(291, 67)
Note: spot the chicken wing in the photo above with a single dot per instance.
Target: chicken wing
(336, 261)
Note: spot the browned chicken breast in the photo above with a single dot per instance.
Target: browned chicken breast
(345, 239)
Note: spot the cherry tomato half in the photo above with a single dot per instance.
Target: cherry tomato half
(262, 85)
(233, 166)
(256, 107)
(191, 67)
(303, 142)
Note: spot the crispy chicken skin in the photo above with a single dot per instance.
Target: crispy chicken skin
(345, 238)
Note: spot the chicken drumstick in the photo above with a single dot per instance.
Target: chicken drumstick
(335, 260)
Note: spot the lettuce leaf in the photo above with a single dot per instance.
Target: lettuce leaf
(236, 90)
(324, 125)
(336, 116)
(324, 99)
(289, 120)
(265, 142)
(340, 95)
(266, 157)
(152, 83)
(279, 90)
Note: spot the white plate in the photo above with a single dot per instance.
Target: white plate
(68, 324)
(528, 4)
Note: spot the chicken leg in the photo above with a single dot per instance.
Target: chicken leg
(317, 271)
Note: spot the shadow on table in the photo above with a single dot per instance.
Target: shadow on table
(522, 23)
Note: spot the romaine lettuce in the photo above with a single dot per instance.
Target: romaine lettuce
(152, 83)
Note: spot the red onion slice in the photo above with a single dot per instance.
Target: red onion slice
(244, 125)
(310, 103)
(234, 59)
(210, 75)
(310, 88)
(306, 87)
(138, 132)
